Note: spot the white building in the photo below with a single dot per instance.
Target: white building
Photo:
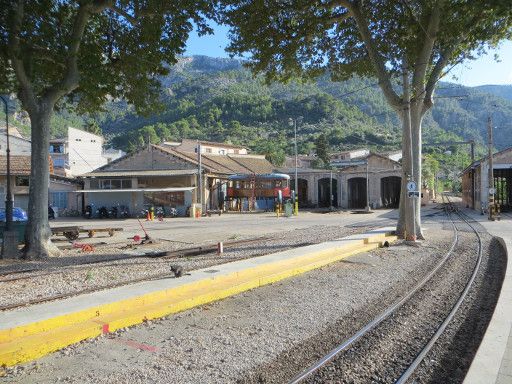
(350, 155)
(17, 144)
(80, 152)
(111, 154)
(188, 145)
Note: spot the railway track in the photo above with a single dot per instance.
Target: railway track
(160, 257)
(113, 261)
(331, 367)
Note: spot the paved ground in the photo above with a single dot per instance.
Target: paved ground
(227, 226)
(493, 362)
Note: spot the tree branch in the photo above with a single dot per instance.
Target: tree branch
(435, 75)
(377, 60)
(423, 58)
(14, 51)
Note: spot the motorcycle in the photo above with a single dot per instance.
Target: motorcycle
(103, 213)
(124, 212)
(88, 212)
(173, 212)
(160, 213)
(114, 212)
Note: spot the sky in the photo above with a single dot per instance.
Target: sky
(484, 70)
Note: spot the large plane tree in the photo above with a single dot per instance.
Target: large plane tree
(407, 45)
(85, 52)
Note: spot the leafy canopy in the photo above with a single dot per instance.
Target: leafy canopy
(290, 38)
(94, 49)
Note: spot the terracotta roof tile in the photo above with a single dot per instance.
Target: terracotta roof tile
(20, 165)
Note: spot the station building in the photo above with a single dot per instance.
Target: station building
(168, 175)
(475, 182)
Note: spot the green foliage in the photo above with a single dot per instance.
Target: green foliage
(322, 148)
(94, 49)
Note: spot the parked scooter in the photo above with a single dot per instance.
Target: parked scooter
(114, 212)
(103, 213)
(173, 212)
(160, 213)
(124, 212)
(88, 212)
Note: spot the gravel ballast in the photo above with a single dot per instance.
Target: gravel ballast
(68, 275)
(251, 336)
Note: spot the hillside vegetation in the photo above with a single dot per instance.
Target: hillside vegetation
(217, 99)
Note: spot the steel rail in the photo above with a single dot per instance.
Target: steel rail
(421, 356)
(161, 259)
(380, 318)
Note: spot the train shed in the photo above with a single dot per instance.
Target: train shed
(475, 181)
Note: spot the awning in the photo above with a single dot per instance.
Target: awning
(171, 189)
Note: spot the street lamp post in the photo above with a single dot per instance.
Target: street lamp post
(296, 202)
(8, 197)
(10, 238)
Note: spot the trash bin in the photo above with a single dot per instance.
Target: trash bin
(18, 226)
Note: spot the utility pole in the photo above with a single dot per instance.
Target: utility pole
(296, 202)
(491, 170)
(367, 185)
(330, 192)
(200, 175)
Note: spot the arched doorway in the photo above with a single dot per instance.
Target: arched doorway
(324, 192)
(357, 192)
(390, 191)
(302, 186)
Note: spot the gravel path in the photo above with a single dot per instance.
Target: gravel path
(243, 338)
(62, 276)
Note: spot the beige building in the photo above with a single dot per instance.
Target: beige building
(347, 184)
(62, 190)
(168, 176)
(475, 181)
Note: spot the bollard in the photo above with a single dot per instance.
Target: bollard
(220, 248)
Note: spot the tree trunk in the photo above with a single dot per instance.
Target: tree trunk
(37, 235)
(416, 120)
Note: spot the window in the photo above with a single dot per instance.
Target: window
(59, 199)
(58, 163)
(176, 198)
(22, 181)
(56, 148)
(208, 150)
(78, 139)
(237, 152)
(94, 184)
(112, 184)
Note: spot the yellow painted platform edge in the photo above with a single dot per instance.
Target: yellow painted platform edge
(142, 300)
(92, 327)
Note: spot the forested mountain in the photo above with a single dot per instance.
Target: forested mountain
(217, 99)
(504, 91)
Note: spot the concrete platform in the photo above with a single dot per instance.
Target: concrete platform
(493, 360)
(29, 333)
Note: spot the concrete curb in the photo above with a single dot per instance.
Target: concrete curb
(486, 364)
(22, 341)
